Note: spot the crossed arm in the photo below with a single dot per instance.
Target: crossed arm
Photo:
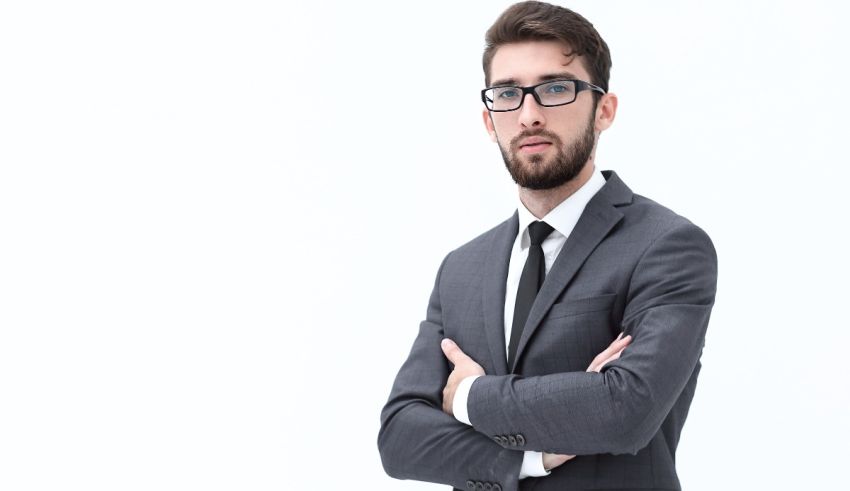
(465, 367)
(618, 410)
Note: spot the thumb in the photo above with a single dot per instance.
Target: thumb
(452, 351)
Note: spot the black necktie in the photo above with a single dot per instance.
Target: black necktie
(529, 283)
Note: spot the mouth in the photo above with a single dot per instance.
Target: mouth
(534, 146)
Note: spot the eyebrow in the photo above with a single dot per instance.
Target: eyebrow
(542, 78)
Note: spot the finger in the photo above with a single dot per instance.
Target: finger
(615, 346)
(621, 343)
(608, 352)
(603, 358)
(615, 356)
(452, 351)
(595, 364)
(596, 361)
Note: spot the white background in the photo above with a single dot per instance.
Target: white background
(220, 223)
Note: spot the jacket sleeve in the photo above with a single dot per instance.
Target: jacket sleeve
(417, 440)
(669, 299)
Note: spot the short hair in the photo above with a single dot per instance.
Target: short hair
(540, 21)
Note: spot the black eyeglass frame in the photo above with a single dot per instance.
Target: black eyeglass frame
(580, 86)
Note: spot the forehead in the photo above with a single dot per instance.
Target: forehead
(528, 62)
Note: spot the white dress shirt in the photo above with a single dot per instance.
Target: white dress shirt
(563, 219)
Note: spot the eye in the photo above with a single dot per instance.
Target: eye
(507, 93)
(558, 88)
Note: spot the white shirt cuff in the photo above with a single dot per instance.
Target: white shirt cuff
(459, 408)
(532, 465)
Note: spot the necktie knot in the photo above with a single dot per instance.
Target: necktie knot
(538, 231)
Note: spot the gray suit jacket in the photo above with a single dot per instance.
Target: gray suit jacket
(629, 265)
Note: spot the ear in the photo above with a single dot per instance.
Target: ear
(606, 110)
(488, 123)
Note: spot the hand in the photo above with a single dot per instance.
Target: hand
(612, 352)
(552, 460)
(464, 367)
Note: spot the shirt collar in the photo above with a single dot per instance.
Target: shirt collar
(563, 217)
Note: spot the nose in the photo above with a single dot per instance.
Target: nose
(531, 114)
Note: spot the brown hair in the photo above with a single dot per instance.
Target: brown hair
(539, 21)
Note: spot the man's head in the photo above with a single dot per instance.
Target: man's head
(532, 42)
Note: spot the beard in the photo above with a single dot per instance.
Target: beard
(538, 173)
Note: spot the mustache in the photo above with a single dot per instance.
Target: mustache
(538, 132)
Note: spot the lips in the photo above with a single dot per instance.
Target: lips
(534, 141)
(534, 144)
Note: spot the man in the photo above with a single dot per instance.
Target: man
(560, 349)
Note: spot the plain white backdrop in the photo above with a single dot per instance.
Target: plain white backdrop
(220, 223)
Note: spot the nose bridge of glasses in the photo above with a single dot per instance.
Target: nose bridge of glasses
(530, 113)
(530, 91)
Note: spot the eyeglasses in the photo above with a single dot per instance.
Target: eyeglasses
(547, 94)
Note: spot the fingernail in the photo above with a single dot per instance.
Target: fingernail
(446, 342)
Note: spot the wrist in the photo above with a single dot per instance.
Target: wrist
(459, 403)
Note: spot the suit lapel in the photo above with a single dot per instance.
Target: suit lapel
(599, 217)
(493, 292)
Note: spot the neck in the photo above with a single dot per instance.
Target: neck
(541, 201)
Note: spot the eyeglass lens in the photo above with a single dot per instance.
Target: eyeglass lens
(549, 94)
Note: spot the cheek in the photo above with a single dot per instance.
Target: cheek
(572, 121)
(504, 131)
(572, 131)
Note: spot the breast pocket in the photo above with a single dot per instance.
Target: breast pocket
(571, 335)
(584, 305)
(573, 332)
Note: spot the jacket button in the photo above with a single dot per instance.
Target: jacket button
(512, 440)
(488, 486)
(479, 486)
(496, 487)
(520, 439)
(497, 439)
(470, 485)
